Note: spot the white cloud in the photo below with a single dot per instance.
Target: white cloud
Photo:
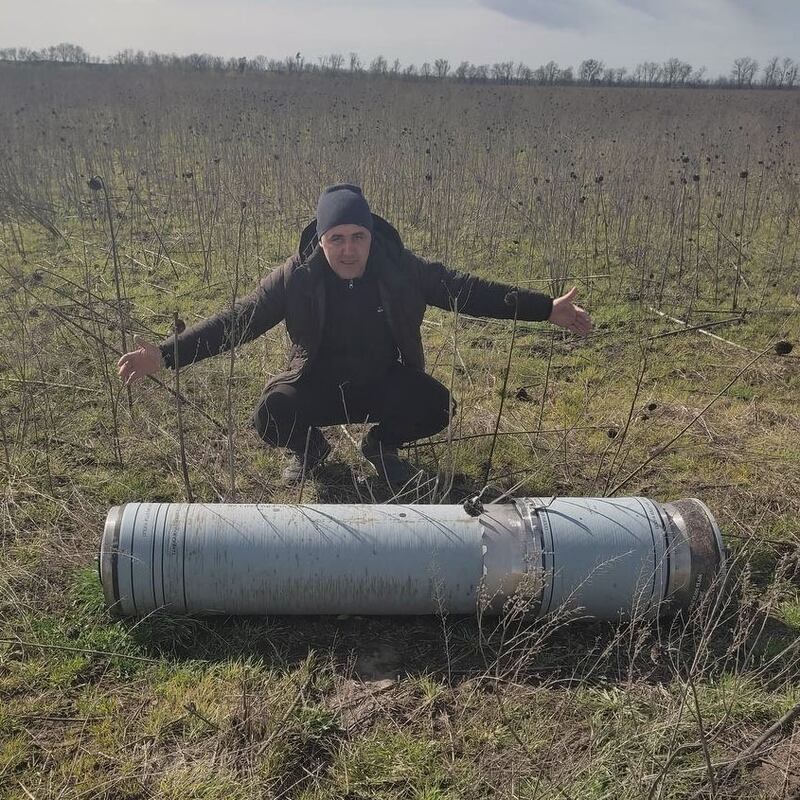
(559, 14)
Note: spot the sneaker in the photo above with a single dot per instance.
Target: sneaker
(388, 464)
(302, 463)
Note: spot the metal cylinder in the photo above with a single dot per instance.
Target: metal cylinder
(599, 557)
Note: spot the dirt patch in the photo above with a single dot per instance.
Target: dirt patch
(357, 702)
(777, 774)
(379, 662)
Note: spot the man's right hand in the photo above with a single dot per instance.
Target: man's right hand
(145, 360)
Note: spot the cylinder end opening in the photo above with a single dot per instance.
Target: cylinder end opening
(699, 544)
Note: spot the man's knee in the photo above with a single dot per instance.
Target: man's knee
(261, 417)
(276, 412)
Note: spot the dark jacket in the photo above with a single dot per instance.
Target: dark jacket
(295, 293)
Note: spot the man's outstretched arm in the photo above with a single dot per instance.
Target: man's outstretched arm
(248, 318)
(478, 297)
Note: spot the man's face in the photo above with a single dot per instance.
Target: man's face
(347, 249)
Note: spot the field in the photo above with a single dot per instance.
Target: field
(134, 200)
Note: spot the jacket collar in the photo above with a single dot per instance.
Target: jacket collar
(315, 263)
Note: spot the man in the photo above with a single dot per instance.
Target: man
(353, 299)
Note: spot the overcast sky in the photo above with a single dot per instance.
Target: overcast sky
(707, 33)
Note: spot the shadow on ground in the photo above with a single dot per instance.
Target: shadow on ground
(337, 482)
(463, 648)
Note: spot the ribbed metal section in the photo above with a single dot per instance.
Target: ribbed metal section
(601, 556)
(598, 557)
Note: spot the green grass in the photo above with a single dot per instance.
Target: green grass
(167, 707)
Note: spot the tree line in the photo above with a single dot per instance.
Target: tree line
(745, 73)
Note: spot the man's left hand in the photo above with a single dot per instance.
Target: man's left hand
(567, 315)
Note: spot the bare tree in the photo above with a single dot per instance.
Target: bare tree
(442, 67)
(503, 71)
(425, 70)
(675, 72)
(378, 66)
(772, 72)
(122, 57)
(669, 71)
(590, 70)
(698, 77)
(780, 73)
(790, 70)
(611, 76)
(744, 71)
(523, 73)
(355, 63)
(294, 63)
(479, 72)
(462, 71)
(651, 72)
(550, 72)
(335, 62)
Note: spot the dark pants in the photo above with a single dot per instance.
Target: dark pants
(408, 404)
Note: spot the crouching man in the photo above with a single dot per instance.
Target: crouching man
(353, 299)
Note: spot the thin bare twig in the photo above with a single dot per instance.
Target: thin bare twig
(703, 737)
(464, 438)
(179, 410)
(488, 470)
(85, 650)
(699, 330)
